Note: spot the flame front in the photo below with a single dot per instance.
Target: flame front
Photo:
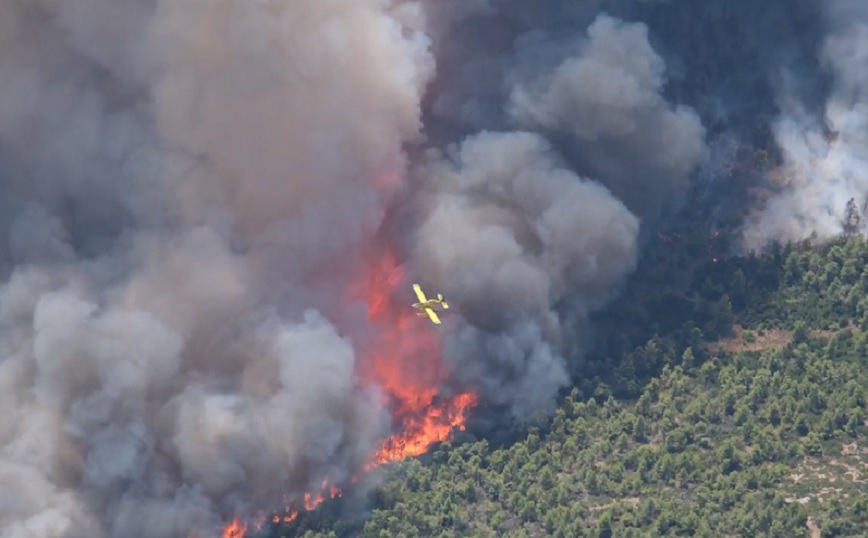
(406, 363)
(236, 529)
(404, 359)
(310, 503)
(435, 426)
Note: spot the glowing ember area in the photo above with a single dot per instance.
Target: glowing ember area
(435, 426)
(403, 358)
(236, 529)
(310, 503)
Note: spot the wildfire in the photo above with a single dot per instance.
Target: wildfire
(310, 503)
(236, 529)
(434, 427)
(405, 362)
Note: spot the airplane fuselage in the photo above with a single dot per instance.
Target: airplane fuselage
(431, 303)
(425, 306)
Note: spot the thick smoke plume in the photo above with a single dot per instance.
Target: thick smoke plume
(520, 242)
(181, 186)
(605, 99)
(530, 227)
(782, 81)
(589, 82)
(186, 190)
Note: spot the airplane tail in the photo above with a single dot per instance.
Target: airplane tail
(443, 303)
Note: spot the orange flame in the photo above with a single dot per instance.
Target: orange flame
(236, 529)
(435, 426)
(310, 503)
(405, 362)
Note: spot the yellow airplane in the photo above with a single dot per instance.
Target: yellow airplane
(426, 306)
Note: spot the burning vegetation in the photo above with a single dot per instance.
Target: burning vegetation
(404, 362)
(187, 187)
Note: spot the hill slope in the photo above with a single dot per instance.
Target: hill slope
(726, 398)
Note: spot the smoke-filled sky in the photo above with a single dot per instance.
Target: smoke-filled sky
(185, 188)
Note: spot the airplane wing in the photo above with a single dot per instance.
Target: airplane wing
(419, 293)
(433, 316)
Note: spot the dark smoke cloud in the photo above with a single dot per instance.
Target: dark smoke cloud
(478, 45)
(642, 98)
(782, 77)
(588, 81)
(532, 224)
(606, 101)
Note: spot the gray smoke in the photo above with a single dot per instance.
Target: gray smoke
(185, 188)
(589, 82)
(180, 186)
(783, 79)
(605, 99)
(520, 244)
(532, 224)
(621, 95)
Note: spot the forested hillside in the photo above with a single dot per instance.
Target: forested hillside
(725, 397)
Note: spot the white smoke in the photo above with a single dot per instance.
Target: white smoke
(825, 160)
